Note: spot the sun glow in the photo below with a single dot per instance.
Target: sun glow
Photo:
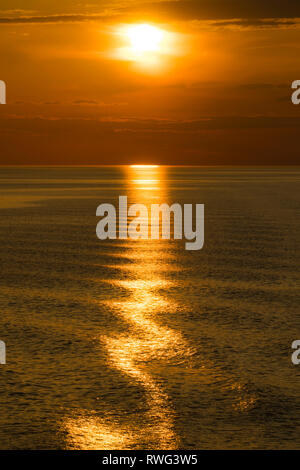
(145, 38)
(144, 166)
(146, 44)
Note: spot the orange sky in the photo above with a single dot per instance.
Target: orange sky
(218, 93)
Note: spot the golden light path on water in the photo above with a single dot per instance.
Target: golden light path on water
(147, 339)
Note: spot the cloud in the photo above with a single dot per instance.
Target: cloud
(52, 19)
(264, 86)
(86, 102)
(222, 10)
(255, 23)
(223, 140)
(152, 125)
(241, 12)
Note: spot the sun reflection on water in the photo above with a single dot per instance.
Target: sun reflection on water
(146, 341)
(148, 338)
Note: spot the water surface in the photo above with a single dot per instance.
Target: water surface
(140, 344)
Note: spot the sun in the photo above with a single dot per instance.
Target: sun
(144, 166)
(147, 45)
(145, 38)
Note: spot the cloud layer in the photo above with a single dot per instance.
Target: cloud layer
(64, 11)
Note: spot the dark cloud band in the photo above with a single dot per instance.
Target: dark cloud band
(249, 10)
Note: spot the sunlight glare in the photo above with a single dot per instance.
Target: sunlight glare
(144, 166)
(145, 38)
